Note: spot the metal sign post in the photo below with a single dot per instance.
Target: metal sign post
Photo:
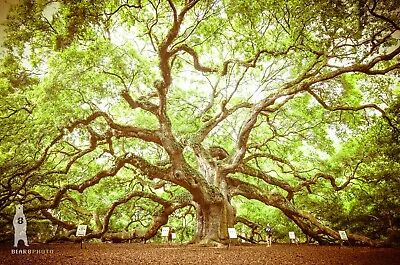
(81, 232)
(292, 238)
(232, 235)
(165, 232)
(343, 237)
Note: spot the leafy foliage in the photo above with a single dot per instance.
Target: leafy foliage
(201, 115)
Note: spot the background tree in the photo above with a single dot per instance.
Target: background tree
(115, 111)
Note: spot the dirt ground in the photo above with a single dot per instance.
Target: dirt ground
(132, 254)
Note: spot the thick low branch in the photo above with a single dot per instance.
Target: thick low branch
(57, 221)
(141, 164)
(308, 223)
(252, 225)
(168, 208)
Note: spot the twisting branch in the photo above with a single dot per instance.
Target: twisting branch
(310, 225)
(251, 63)
(250, 171)
(120, 130)
(169, 207)
(339, 108)
(146, 168)
(217, 119)
(195, 57)
(139, 5)
(391, 22)
(348, 108)
(165, 203)
(246, 129)
(138, 103)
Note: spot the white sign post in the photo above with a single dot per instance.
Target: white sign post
(81, 232)
(164, 231)
(292, 238)
(343, 237)
(232, 234)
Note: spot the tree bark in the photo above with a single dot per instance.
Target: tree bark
(214, 212)
(213, 221)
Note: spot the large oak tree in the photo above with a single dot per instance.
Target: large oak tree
(104, 103)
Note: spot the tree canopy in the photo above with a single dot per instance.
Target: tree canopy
(202, 115)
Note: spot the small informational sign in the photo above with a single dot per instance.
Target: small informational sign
(343, 235)
(232, 232)
(292, 236)
(81, 230)
(173, 235)
(164, 231)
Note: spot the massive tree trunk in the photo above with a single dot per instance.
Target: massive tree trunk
(213, 221)
(215, 213)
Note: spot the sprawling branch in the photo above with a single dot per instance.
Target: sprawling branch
(308, 223)
(252, 63)
(372, 10)
(168, 208)
(217, 119)
(253, 226)
(120, 130)
(138, 5)
(350, 108)
(152, 108)
(195, 56)
(249, 171)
